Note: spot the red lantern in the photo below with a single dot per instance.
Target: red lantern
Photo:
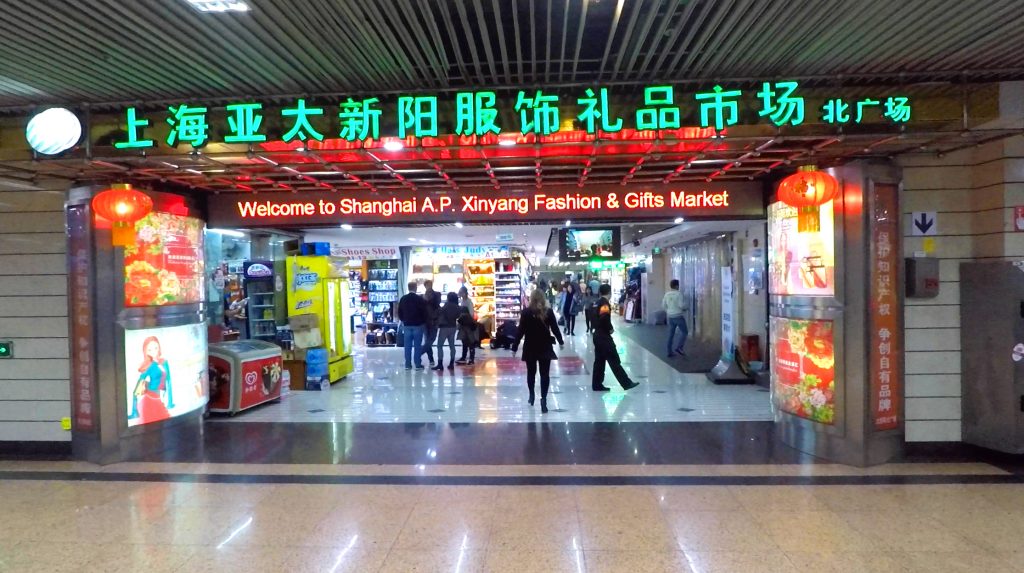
(122, 206)
(807, 190)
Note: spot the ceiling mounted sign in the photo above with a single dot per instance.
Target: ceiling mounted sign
(399, 120)
(694, 201)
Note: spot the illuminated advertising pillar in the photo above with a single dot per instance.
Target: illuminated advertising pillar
(836, 312)
(138, 348)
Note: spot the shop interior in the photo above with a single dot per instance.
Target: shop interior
(327, 298)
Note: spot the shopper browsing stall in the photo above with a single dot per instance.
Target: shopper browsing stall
(675, 311)
(433, 300)
(412, 312)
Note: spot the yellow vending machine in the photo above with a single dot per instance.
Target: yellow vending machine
(318, 285)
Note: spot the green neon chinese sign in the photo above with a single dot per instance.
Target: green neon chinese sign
(479, 114)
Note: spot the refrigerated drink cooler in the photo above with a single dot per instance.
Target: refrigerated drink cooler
(992, 354)
(243, 374)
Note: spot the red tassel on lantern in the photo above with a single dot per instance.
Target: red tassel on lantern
(122, 206)
(807, 190)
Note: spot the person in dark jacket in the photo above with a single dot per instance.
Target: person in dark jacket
(433, 300)
(469, 335)
(447, 325)
(538, 326)
(572, 304)
(590, 299)
(604, 346)
(412, 311)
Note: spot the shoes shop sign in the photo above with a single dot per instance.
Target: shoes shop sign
(700, 201)
(368, 253)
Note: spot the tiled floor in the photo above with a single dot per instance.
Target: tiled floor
(494, 390)
(57, 526)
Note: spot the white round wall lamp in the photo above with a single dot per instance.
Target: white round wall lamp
(53, 131)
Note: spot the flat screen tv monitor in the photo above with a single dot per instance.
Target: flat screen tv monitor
(589, 244)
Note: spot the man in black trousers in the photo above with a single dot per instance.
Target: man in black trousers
(433, 300)
(604, 346)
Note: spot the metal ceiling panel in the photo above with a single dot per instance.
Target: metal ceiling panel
(95, 51)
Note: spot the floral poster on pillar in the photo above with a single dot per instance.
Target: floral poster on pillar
(803, 367)
(165, 265)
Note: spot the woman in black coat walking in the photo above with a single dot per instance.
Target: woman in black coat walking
(537, 324)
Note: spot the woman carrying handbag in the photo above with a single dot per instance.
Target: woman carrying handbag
(539, 328)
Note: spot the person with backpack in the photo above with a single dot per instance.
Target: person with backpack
(447, 326)
(469, 335)
(539, 328)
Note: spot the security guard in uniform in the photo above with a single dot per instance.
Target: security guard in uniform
(604, 346)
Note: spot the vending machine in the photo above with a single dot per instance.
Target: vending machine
(258, 277)
(318, 285)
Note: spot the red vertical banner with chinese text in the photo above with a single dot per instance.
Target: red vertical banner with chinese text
(885, 335)
(80, 295)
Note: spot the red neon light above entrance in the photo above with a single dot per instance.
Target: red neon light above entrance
(682, 140)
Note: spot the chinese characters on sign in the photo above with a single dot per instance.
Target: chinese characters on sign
(885, 341)
(83, 386)
(477, 114)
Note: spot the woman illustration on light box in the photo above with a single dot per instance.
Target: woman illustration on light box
(152, 398)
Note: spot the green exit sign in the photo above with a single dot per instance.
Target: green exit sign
(6, 349)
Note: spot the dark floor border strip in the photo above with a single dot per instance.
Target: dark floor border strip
(954, 479)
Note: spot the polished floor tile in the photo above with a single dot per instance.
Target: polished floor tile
(133, 558)
(534, 561)
(637, 562)
(462, 560)
(771, 561)
(907, 531)
(851, 562)
(351, 558)
(713, 531)
(494, 390)
(238, 559)
(620, 531)
(520, 529)
(823, 530)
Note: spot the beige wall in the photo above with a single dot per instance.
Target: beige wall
(752, 317)
(34, 387)
(974, 192)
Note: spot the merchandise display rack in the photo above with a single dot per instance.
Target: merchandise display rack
(382, 293)
(355, 291)
(480, 279)
(508, 287)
